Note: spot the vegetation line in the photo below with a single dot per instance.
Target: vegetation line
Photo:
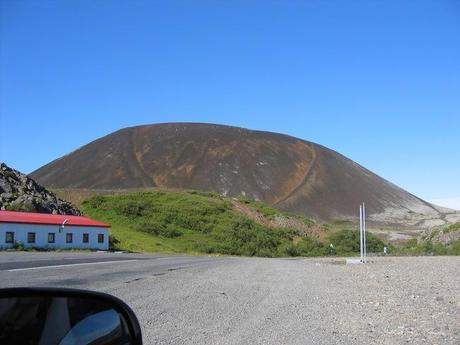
(205, 222)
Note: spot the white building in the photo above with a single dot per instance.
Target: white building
(52, 231)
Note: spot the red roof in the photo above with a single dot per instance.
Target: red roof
(46, 218)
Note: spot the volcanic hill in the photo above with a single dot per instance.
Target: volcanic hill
(288, 173)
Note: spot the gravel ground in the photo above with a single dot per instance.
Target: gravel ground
(274, 301)
(200, 300)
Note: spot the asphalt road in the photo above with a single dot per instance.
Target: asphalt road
(29, 261)
(216, 300)
(88, 270)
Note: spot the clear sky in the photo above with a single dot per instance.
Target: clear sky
(378, 81)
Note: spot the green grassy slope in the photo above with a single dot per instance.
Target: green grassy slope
(202, 222)
(189, 222)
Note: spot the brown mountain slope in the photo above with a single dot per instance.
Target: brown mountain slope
(292, 174)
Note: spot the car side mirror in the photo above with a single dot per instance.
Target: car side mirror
(51, 316)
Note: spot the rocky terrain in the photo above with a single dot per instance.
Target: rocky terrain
(18, 192)
(288, 173)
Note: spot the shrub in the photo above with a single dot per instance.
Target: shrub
(204, 193)
(411, 247)
(160, 229)
(452, 227)
(455, 247)
(18, 245)
(292, 250)
(131, 209)
(343, 222)
(347, 242)
(94, 201)
(206, 248)
(113, 242)
(428, 247)
(245, 237)
(310, 246)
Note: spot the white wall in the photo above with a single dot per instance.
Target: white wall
(41, 236)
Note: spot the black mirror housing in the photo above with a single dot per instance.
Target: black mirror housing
(55, 316)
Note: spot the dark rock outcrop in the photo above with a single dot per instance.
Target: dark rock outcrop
(18, 192)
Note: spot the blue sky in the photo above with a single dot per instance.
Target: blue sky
(378, 81)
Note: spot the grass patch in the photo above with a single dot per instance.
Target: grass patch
(452, 227)
(203, 222)
(196, 222)
(262, 208)
(342, 222)
(183, 222)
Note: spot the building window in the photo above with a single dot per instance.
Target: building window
(68, 238)
(9, 237)
(85, 238)
(51, 237)
(31, 237)
(100, 238)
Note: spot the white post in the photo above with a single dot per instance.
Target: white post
(360, 233)
(364, 234)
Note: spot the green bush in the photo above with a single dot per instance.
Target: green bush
(204, 193)
(452, 227)
(131, 208)
(310, 246)
(343, 222)
(160, 229)
(347, 242)
(455, 247)
(95, 201)
(113, 243)
(18, 245)
(427, 244)
(428, 247)
(291, 250)
(207, 248)
(245, 237)
(411, 247)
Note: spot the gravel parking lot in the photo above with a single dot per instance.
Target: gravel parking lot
(410, 300)
(265, 301)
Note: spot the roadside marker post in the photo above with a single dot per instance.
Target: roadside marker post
(362, 238)
(364, 234)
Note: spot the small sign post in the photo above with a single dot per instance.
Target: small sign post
(362, 233)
